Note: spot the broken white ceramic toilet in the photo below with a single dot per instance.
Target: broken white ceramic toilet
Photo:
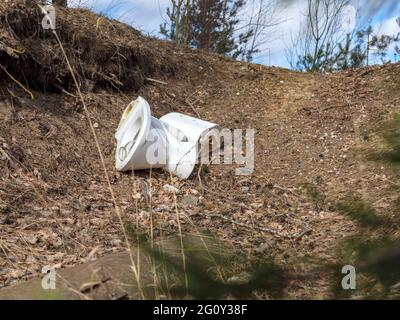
(171, 142)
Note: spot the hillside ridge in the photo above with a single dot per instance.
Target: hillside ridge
(55, 208)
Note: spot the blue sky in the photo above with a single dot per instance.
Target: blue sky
(147, 15)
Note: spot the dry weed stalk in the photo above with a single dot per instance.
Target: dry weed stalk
(17, 82)
(114, 199)
(180, 237)
(152, 234)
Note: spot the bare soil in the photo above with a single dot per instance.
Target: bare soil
(311, 130)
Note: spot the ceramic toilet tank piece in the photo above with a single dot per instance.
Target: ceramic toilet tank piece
(171, 142)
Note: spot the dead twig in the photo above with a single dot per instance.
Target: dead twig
(185, 101)
(263, 229)
(157, 81)
(337, 106)
(285, 189)
(17, 82)
(192, 107)
(117, 208)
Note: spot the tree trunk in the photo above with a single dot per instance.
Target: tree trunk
(61, 3)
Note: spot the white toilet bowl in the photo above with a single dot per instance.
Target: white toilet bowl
(171, 142)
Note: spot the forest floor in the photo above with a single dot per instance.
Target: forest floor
(312, 132)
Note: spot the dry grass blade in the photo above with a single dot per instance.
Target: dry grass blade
(114, 199)
(180, 237)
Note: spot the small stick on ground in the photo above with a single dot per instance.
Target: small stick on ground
(192, 107)
(17, 82)
(157, 81)
(263, 229)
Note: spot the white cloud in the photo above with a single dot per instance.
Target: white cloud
(294, 15)
(389, 27)
(291, 16)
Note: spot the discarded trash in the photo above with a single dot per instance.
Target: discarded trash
(171, 142)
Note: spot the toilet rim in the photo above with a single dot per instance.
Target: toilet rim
(141, 109)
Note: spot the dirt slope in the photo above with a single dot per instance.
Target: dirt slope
(55, 206)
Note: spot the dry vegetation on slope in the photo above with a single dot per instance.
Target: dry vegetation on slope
(312, 132)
